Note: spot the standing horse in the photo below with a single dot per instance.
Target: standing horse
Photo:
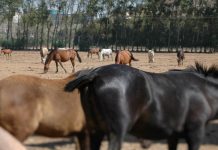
(61, 56)
(150, 56)
(124, 57)
(93, 51)
(30, 105)
(106, 52)
(6, 52)
(180, 57)
(118, 99)
(43, 54)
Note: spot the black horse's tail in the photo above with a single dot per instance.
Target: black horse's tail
(77, 55)
(81, 80)
(132, 57)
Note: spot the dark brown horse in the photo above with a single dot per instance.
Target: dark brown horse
(180, 57)
(94, 51)
(30, 105)
(6, 52)
(124, 57)
(61, 56)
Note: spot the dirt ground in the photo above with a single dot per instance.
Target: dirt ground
(28, 62)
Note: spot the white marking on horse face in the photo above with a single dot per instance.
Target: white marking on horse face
(44, 59)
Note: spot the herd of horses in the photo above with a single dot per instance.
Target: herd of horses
(63, 54)
(94, 103)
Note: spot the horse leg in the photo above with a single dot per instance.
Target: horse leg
(73, 64)
(56, 66)
(84, 141)
(194, 136)
(62, 66)
(111, 56)
(115, 142)
(172, 142)
(96, 139)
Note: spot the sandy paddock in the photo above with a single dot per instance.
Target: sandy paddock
(29, 62)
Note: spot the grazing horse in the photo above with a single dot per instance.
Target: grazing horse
(61, 56)
(106, 52)
(43, 53)
(150, 56)
(8, 142)
(31, 104)
(6, 52)
(124, 57)
(118, 99)
(180, 57)
(93, 51)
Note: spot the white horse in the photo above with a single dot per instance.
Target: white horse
(43, 54)
(108, 52)
(150, 56)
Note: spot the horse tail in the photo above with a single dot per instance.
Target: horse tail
(77, 55)
(81, 80)
(132, 57)
(117, 57)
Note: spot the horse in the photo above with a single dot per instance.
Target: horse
(150, 56)
(124, 57)
(30, 104)
(93, 51)
(43, 53)
(7, 141)
(61, 56)
(106, 52)
(180, 57)
(6, 52)
(118, 99)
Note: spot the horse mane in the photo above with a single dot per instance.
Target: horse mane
(206, 71)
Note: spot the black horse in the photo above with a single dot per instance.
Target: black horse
(118, 99)
(180, 57)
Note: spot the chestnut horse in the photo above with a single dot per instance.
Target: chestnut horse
(6, 52)
(31, 104)
(124, 57)
(61, 56)
(94, 51)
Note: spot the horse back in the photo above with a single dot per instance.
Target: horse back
(35, 106)
(123, 57)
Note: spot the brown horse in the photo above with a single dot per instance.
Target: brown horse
(94, 51)
(61, 56)
(124, 57)
(6, 52)
(30, 105)
(180, 57)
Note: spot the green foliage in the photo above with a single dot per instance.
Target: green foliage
(58, 43)
(13, 44)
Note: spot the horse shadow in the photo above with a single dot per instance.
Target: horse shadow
(52, 144)
(210, 138)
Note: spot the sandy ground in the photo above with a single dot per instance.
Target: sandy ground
(28, 62)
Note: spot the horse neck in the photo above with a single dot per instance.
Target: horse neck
(49, 59)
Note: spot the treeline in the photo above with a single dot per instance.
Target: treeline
(121, 23)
